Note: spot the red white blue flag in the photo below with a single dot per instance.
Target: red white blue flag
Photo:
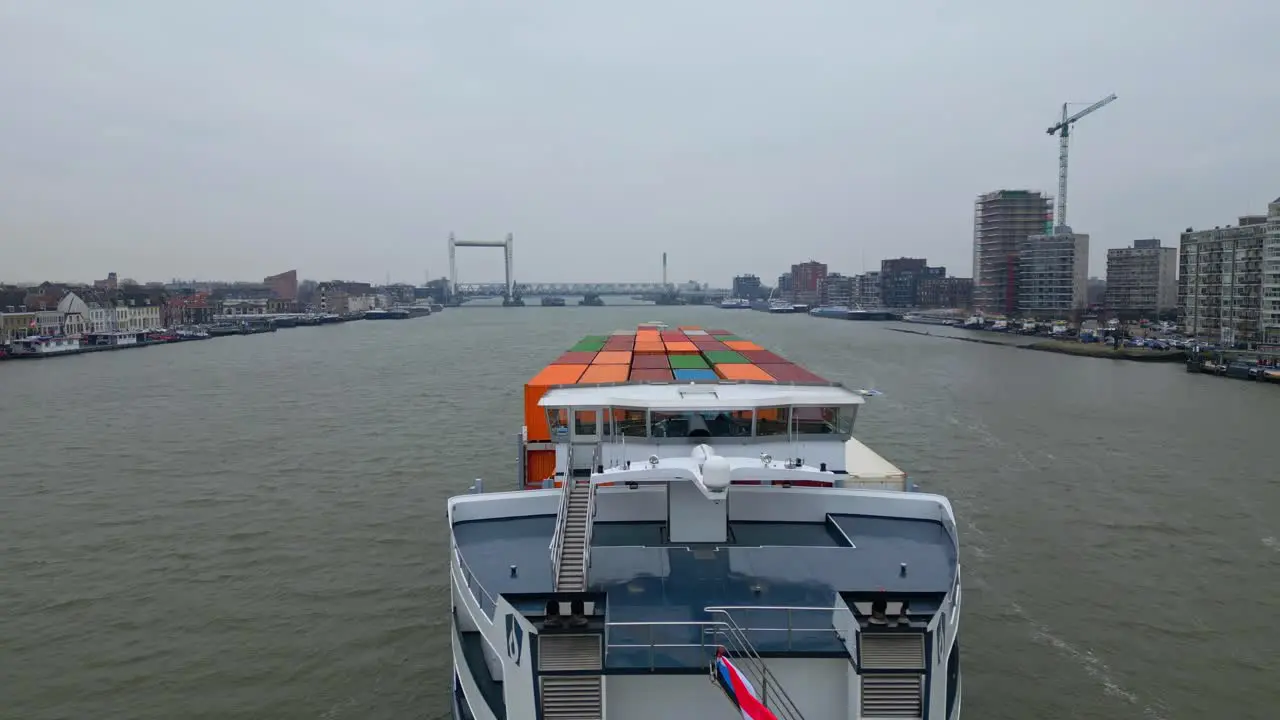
(740, 691)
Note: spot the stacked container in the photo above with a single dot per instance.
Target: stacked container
(648, 355)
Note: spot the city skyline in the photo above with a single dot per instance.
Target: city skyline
(353, 144)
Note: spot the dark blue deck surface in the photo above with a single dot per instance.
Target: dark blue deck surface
(490, 547)
(767, 564)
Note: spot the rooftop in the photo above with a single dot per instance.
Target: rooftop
(649, 581)
(693, 396)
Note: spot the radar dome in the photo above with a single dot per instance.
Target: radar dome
(716, 473)
(702, 452)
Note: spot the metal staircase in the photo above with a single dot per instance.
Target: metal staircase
(571, 571)
(744, 657)
(896, 695)
(570, 697)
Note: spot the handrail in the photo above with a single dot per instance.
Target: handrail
(783, 706)
(591, 525)
(473, 583)
(557, 537)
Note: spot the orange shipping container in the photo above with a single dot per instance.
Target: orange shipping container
(605, 374)
(681, 347)
(535, 419)
(650, 348)
(742, 371)
(612, 357)
(538, 466)
(742, 345)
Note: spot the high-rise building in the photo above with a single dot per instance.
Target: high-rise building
(1271, 279)
(1001, 220)
(1053, 274)
(1220, 280)
(1142, 281)
(806, 281)
(746, 286)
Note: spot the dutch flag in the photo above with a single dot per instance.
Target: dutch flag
(740, 691)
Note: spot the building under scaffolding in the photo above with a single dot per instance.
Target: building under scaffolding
(1002, 221)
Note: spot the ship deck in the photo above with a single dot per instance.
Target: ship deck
(665, 588)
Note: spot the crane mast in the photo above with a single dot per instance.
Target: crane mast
(1063, 131)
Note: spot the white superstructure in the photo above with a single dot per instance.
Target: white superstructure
(686, 521)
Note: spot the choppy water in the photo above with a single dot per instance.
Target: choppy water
(254, 526)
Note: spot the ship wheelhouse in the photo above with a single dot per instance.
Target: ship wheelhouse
(604, 426)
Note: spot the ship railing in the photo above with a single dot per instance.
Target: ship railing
(486, 602)
(715, 636)
(591, 526)
(557, 535)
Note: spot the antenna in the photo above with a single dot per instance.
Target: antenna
(1063, 130)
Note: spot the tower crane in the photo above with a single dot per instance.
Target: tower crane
(1063, 131)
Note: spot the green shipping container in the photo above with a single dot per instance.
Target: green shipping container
(687, 362)
(588, 346)
(725, 357)
(595, 338)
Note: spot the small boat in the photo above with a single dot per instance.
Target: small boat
(552, 301)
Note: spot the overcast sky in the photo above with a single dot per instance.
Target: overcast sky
(234, 139)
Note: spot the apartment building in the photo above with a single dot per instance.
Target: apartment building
(837, 290)
(946, 292)
(1053, 274)
(1002, 221)
(1271, 279)
(1142, 281)
(900, 281)
(866, 289)
(806, 281)
(746, 286)
(1220, 280)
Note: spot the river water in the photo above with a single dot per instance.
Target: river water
(254, 526)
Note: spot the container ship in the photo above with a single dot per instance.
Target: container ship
(697, 533)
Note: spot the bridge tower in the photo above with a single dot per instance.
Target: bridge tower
(507, 246)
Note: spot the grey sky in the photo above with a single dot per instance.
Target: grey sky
(233, 139)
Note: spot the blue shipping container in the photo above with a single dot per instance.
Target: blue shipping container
(696, 374)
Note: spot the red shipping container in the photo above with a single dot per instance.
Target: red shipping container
(719, 332)
(671, 335)
(787, 372)
(710, 345)
(619, 344)
(650, 375)
(650, 362)
(575, 358)
(763, 357)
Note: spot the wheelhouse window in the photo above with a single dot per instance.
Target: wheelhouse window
(584, 422)
(706, 423)
(815, 420)
(558, 422)
(630, 422)
(773, 421)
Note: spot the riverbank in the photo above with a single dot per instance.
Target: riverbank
(1078, 349)
(1098, 350)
